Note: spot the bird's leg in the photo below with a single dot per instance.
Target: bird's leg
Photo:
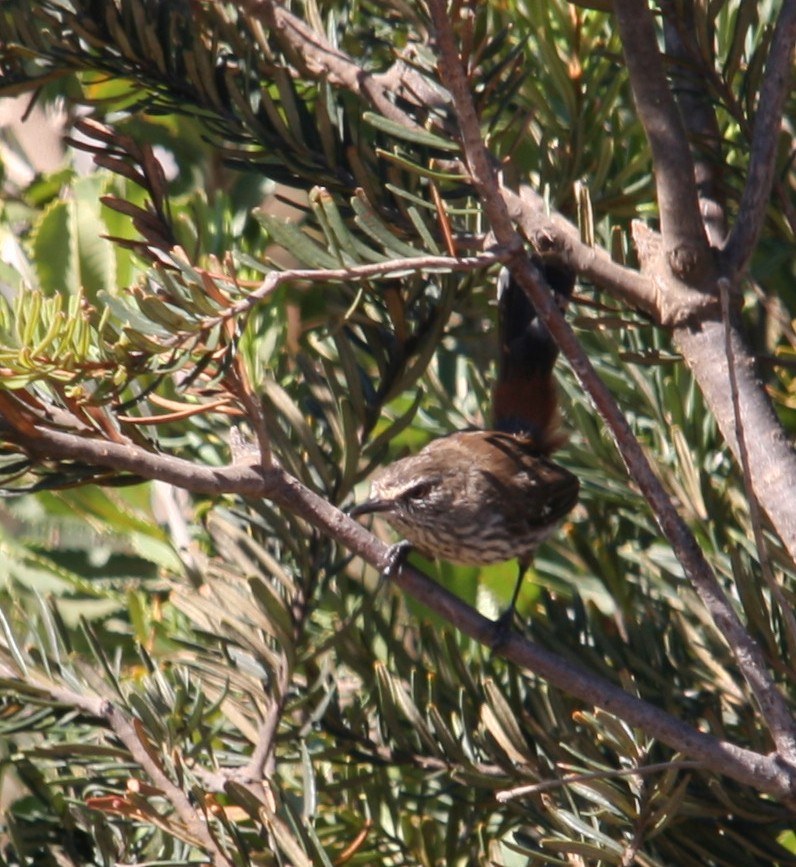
(504, 622)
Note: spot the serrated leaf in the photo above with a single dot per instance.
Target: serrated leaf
(96, 258)
(54, 249)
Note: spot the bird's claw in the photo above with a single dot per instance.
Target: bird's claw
(396, 558)
(502, 628)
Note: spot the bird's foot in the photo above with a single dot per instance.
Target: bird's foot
(396, 558)
(502, 628)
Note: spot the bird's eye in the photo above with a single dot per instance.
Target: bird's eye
(418, 492)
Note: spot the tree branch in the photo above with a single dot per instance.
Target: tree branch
(697, 112)
(741, 433)
(764, 773)
(685, 242)
(385, 268)
(528, 210)
(319, 59)
(750, 659)
(125, 730)
(771, 460)
(765, 140)
(669, 302)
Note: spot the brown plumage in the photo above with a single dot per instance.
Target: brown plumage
(474, 497)
(525, 397)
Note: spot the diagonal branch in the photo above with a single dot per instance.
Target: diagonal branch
(319, 59)
(123, 726)
(684, 238)
(765, 773)
(765, 140)
(675, 304)
(751, 661)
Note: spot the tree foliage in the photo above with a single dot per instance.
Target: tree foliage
(222, 677)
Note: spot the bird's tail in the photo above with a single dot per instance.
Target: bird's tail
(525, 397)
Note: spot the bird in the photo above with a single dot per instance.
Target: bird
(478, 497)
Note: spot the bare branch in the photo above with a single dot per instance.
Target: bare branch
(772, 463)
(319, 59)
(702, 342)
(743, 454)
(750, 659)
(683, 232)
(768, 120)
(766, 773)
(689, 84)
(387, 268)
(551, 230)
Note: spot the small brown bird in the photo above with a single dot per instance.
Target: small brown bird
(479, 497)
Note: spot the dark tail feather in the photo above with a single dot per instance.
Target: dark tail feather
(525, 400)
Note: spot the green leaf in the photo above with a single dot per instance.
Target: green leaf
(416, 136)
(53, 249)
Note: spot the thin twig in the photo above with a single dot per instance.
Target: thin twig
(124, 728)
(389, 268)
(255, 770)
(765, 141)
(319, 59)
(262, 760)
(751, 661)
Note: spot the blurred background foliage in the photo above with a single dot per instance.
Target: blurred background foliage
(218, 157)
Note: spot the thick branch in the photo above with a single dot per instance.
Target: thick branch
(765, 140)
(670, 304)
(696, 105)
(273, 483)
(771, 458)
(683, 232)
(750, 659)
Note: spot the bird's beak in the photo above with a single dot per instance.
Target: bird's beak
(370, 506)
